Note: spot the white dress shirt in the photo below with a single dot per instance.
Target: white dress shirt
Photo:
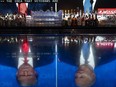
(87, 5)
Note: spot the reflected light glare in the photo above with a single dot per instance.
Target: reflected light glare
(71, 40)
(20, 50)
(29, 50)
(85, 41)
(27, 5)
(76, 41)
(56, 58)
(115, 45)
(22, 40)
(16, 39)
(17, 4)
(105, 44)
(66, 39)
(99, 38)
(38, 58)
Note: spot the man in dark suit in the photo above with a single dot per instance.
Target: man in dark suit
(73, 4)
(87, 56)
(95, 4)
(105, 4)
(85, 76)
(101, 4)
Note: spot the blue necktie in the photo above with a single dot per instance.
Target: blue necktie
(87, 6)
(86, 51)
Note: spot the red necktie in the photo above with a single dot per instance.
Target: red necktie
(22, 8)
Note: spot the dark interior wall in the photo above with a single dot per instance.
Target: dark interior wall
(70, 4)
(11, 7)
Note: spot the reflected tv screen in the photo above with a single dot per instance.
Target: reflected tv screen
(57, 61)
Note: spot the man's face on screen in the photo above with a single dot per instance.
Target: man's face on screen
(26, 75)
(84, 76)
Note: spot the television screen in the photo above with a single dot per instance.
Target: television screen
(57, 13)
(57, 61)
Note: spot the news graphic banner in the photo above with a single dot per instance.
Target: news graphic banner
(107, 17)
(40, 1)
(107, 11)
